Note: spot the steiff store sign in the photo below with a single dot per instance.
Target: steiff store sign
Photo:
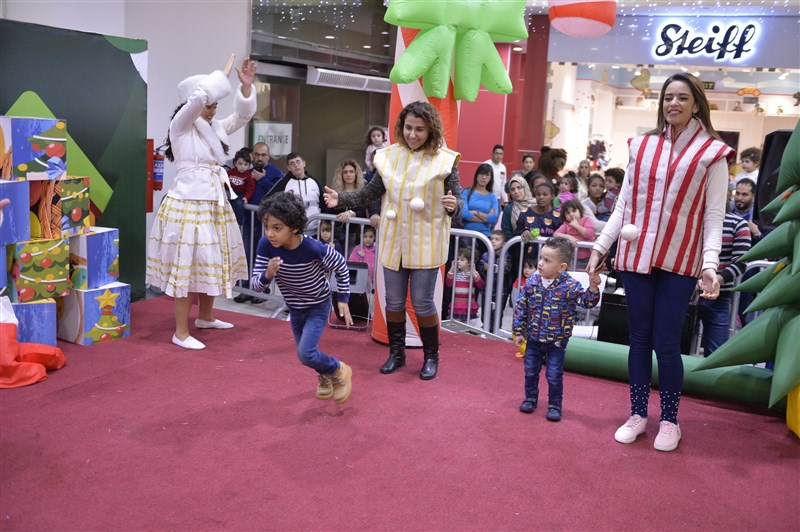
(732, 42)
(722, 40)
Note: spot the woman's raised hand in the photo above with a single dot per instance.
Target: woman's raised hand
(331, 197)
(229, 65)
(248, 72)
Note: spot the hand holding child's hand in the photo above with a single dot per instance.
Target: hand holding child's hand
(273, 266)
(594, 281)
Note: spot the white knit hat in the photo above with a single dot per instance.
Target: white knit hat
(187, 86)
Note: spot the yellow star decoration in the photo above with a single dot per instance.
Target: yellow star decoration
(108, 299)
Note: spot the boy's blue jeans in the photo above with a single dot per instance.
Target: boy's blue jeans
(716, 317)
(553, 354)
(307, 326)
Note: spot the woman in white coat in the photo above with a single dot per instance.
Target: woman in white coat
(195, 247)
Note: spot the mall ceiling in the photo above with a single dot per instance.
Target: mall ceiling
(761, 8)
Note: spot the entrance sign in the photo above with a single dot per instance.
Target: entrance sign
(276, 135)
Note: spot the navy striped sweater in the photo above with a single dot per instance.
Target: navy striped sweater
(301, 277)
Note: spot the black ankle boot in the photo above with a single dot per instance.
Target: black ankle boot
(430, 349)
(397, 347)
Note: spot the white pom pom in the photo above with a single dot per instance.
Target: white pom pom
(629, 232)
(417, 204)
(391, 215)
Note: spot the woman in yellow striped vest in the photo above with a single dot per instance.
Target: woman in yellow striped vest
(417, 178)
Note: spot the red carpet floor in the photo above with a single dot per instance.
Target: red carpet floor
(140, 435)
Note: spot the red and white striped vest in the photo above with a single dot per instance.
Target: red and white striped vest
(665, 197)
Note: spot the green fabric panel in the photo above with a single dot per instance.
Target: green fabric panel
(91, 82)
(739, 383)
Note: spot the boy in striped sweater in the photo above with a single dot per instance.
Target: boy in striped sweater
(299, 264)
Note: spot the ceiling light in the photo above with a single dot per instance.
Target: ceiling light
(330, 37)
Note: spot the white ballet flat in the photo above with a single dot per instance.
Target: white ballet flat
(189, 343)
(216, 324)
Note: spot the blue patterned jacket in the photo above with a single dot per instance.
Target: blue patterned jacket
(548, 314)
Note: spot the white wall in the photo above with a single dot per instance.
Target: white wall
(184, 38)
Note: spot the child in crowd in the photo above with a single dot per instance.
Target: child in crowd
(567, 189)
(751, 158)
(528, 269)
(326, 235)
(576, 227)
(299, 265)
(543, 317)
(365, 252)
(614, 178)
(498, 240)
(539, 220)
(593, 205)
(466, 282)
(376, 139)
(242, 183)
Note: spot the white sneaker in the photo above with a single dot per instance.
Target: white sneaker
(216, 324)
(628, 432)
(669, 435)
(189, 343)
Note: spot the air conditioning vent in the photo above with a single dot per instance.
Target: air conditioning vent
(347, 80)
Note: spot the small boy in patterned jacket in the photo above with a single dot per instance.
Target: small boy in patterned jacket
(543, 317)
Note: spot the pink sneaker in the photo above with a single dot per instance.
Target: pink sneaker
(669, 435)
(628, 432)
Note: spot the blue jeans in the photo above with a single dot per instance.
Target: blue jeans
(307, 326)
(535, 354)
(716, 317)
(423, 283)
(657, 304)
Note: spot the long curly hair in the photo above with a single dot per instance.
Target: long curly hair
(337, 183)
(703, 109)
(428, 114)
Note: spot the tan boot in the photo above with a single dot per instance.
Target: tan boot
(342, 383)
(325, 387)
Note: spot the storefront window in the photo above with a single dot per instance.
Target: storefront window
(348, 35)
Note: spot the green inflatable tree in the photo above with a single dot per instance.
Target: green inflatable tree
(774, 336)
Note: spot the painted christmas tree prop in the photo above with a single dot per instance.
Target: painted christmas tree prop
(775, 334)
(74, 205)
(94, 258)
(39, 269)
(33, 148)
(89, 316)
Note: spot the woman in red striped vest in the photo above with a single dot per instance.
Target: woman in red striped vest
(671, 207)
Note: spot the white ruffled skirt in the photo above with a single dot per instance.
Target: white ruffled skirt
(195, 246)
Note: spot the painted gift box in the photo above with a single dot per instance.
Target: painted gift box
(59, 207)
(16, 226)
(94, 258)
(33, 148)
(37, 321)
(39, 269)
(86, 317)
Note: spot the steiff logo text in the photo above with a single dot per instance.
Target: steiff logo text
(678, 41)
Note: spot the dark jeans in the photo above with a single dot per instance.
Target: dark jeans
(307, 327)
(551, 353)
(250, 239)
(716, 318)
(657, 304)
